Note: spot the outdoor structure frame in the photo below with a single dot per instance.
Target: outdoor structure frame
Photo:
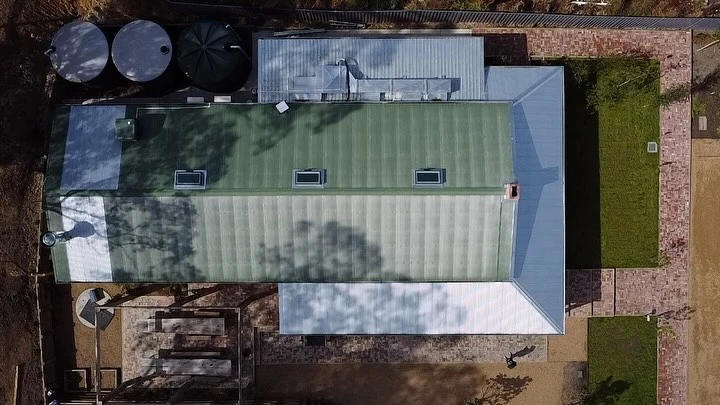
(114, 396)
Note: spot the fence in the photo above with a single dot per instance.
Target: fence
(490, 18)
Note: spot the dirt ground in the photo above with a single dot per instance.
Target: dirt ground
(398, 384)
(554, 382)
(26, 27)
(704, 350)
(706, 79)
(573, 345)
(23, 106)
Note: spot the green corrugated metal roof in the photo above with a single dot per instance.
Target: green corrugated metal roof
(250, 225)
(309, 238)
(362, 146)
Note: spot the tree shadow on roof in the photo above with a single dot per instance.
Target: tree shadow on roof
(141, 229)
(287, 63)
(331, 252)
(533, 178)
(301, 120)
(335, 253)
(193, 137)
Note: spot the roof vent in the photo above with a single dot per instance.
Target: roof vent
(190, 179)
(308, 178)
(512, 191)
(429, 177)
(49, 238)
(125, 129)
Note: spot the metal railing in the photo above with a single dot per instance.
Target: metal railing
(489, 18)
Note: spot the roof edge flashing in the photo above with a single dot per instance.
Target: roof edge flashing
(559, 329)
(538, 85)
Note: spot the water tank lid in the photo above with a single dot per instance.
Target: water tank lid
(79, 51)
(208, 53)
(141, 51)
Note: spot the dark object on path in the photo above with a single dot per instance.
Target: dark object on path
(210, 55)
(510, 362)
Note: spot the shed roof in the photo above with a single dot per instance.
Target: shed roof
(459, 58)
(249, 224)
(409, 308)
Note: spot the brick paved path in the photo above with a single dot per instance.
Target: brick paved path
(640, 291)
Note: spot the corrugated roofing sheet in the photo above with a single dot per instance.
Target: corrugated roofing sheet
(460, 58)
(460, 232)
(87, 250)
(253, 148)
(304, 238)
(417, 308)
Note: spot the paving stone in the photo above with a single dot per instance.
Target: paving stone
(640, 291)
(604, 302)
(290, 349)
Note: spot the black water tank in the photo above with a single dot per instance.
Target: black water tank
(79, 53)
(210, 55)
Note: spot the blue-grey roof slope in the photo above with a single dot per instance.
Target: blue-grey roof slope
(538, 119)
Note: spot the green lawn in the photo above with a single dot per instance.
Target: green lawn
(612, 185)
(622, 360)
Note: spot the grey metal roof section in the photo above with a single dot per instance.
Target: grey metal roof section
(92, 154)
(408, 308)
(142, 51)
(458, 60)
(538, 120)
(79, 51)
(305, 238)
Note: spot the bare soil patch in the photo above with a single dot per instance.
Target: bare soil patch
(396, 384)
(706, 79)
(572, 346)
(26, 28)
(704, 333)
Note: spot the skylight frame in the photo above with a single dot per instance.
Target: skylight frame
(321, 178)
(201, 184)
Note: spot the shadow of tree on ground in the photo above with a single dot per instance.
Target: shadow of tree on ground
(606, 392)
(500, 390)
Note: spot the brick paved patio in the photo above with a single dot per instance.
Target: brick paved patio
(425, 349)
(640, 291)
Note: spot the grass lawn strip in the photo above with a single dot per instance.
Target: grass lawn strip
(612, 182)
(622, 359)
(629, 177)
